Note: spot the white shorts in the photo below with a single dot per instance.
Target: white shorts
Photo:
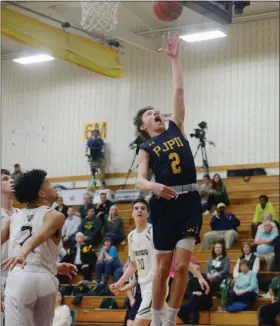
(30, 298)
(145, 309)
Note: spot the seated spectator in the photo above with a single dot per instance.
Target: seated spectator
(61, 207)
(218, 267)
(103, 208)
(245, 288)
(107, 262)
(113, 226)
(62, 315)
(265, 249)
(198, 300)
(267, 314)
(218, 193)
(70, 228)
(204, 191)
(224, 227)
(267, 218)
(83, 256)
(17, 172)
(91, 227)
(83, 209)
(265, 206)
(253, 260)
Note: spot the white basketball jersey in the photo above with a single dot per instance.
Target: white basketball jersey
(26, 224)
(5, 246)
(142, 251)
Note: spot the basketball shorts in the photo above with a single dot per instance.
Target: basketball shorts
(175, 219)
(134, 309)
(30, 298)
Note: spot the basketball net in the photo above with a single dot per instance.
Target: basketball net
(99, 15)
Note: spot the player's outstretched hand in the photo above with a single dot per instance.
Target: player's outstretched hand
(204, 285)
(163, 191)
(10, 263)
(67, 269)
(172, 45)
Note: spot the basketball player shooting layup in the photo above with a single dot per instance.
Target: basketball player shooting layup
(30, 292)
(175, 204)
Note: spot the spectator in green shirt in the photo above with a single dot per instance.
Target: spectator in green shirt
(83, 209)
(265, 206)
(267, 314)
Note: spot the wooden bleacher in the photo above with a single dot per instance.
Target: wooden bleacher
(244, 196)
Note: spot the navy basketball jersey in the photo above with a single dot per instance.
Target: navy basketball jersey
(171, 158)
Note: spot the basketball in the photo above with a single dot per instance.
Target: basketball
(167, 11)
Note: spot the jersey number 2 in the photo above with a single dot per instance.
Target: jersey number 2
(174, 157)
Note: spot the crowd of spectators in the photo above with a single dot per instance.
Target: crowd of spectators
(86, 229)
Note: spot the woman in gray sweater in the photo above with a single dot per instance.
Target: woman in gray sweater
(218, 267)
(113, 226)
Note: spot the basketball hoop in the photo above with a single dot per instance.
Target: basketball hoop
(99, 15)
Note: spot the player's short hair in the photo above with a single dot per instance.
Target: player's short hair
(5, 172)
(28, 185)
(142, 201)
(138, 121)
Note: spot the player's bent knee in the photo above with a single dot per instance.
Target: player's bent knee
(181, 268)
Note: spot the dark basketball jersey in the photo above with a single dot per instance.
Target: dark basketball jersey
(171, 158)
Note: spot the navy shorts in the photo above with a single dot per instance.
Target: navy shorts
(175, 219)
(134, 309)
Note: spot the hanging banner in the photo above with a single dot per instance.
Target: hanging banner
(100, 128)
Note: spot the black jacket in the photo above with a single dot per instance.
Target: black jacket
(88, 256)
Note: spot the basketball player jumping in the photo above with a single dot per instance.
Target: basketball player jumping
(175, 204)
(30, 292)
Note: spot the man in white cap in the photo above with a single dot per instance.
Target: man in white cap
(224, 228)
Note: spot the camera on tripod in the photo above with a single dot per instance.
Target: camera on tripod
(200, 133)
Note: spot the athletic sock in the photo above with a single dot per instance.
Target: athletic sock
(171, 315)
(156, 317)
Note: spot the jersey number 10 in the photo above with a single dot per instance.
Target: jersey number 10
(175, 164)
(140, 264)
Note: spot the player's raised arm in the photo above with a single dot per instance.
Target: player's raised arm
(172, 51)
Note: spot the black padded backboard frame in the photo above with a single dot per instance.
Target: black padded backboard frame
(219, 11)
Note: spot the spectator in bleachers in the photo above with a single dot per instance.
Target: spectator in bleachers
(107, 262)
(62, 316)
(253, 260)
(70, 228)
(83, 256)
(224, 227)
(204, 191)
(218, 193)
(265, 249)
(218, 267)
(17, 172)
(245, 288)
(113, 226)
(91, 227)
(267, 218)
(198, 300)
(265, 206)
(83, 209)
(267, 314)
(103, 208)
(61, 207)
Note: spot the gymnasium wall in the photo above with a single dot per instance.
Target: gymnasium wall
(231, 83)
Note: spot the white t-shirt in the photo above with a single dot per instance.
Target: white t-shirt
(141, 250)
(27, 223)
(5, 246)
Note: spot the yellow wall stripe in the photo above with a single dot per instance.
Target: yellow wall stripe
(75, 49)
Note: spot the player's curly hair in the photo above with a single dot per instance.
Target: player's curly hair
(28, 185)
(137, 121)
